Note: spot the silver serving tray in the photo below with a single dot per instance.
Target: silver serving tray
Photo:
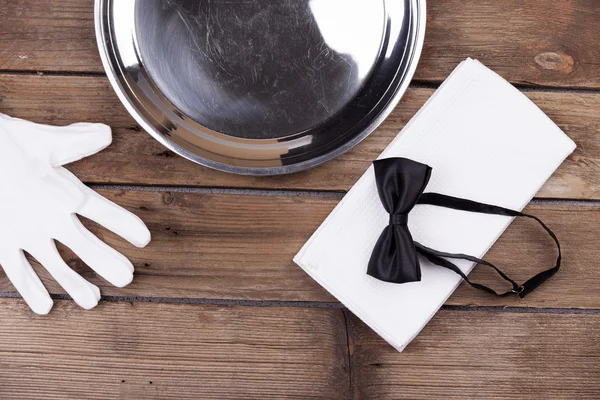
(260, 87)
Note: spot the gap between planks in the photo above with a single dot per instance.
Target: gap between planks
(415, 83)
(308, 304)
(294, 193)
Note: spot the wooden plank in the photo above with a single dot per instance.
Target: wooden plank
(213, 246)
(41, 35)
(136, 158)
(482, 355)
(170, 351)
(241, 247)
(528, 42)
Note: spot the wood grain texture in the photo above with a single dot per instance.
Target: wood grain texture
(527, 41)
(241, 247)
(482, 355)
(168, 351)
(40, 35)
(209, 245)
(136, 158)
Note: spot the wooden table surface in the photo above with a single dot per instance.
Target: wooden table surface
(219, 310)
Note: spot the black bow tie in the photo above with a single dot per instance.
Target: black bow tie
(395, 258)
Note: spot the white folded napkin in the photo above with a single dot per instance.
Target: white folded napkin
(486, 142)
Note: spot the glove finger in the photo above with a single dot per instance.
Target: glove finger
(59, 145)
(116, 219)
(81, 291)
(106, 261)
(25, 280)
(74, 142)
(110, 215)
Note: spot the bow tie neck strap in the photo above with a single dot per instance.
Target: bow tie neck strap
(456, 203)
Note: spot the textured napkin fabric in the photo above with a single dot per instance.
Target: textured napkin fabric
(486, 142)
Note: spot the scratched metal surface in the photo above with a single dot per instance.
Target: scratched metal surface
(234, 65)
(261, 86)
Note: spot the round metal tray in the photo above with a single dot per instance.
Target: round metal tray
(262, 87)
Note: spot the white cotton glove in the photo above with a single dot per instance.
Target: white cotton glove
(39, 201)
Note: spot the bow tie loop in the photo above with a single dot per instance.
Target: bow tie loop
(400, 183)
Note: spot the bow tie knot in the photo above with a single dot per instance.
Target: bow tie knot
(400, 219)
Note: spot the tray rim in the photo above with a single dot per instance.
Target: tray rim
(102, 40)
